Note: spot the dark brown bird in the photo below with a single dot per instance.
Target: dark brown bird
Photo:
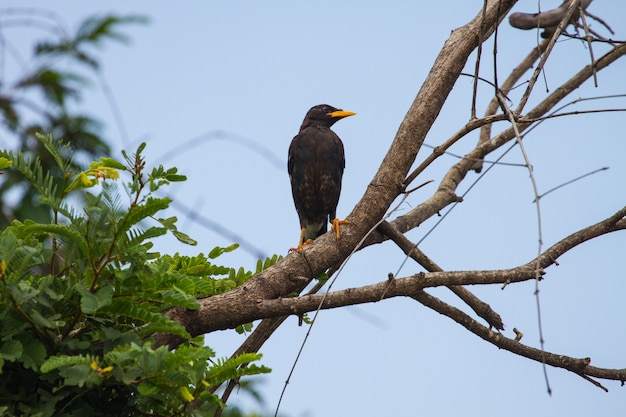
(316, 162)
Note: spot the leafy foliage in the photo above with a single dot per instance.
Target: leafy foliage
(81, 296)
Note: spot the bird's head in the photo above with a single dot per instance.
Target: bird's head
(325, 115)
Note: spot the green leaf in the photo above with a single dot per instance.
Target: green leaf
(142, 312)
(56, 150)
(323, 277)
(33, 172)
(231, 368)
(169, 223)
(177, 297)
(79, 375)
(55, 362)
(92, 302)
(244, 328)
(63, 231)
(183, 238)
(147, 388)
(108, 163)
(34, 352)
(140, 212)
(11, 350)
(217, 251)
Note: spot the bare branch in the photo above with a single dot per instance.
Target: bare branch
(578, 366)
(445, 194)
(616, 222)
(408, 286)
(410, 249)
(547, 20)
(601, 21)
(470, 126)
(571, 9)
(505, 88)
(589, 43)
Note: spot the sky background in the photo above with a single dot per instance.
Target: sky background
(219, 89)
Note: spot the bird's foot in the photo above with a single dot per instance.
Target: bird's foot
(335, 226)
(301, 246)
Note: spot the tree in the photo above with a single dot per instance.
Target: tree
(269, 295)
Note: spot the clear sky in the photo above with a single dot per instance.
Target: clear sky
(234, 79)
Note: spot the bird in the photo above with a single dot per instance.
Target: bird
(316, 161)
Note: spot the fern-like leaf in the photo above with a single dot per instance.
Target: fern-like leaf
(57, 150)
(62, 361)
(33, 171)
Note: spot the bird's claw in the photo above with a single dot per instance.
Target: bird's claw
(335, 226)
(301, 246)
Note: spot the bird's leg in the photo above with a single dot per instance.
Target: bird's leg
(301, 244)
(335, 226)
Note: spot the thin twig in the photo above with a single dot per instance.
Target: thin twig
(571, 181)
(518, 139)
(505, 88)
(533, 79)
(601, 21)
(477, 65)
(441, 149)
(588, 39)
(457, 156)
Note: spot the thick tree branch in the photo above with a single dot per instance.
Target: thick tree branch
(395, 287)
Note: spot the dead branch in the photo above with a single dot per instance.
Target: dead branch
(547, 20)
(445, 193)
(513, 78)
(481, 308)
(578, 366)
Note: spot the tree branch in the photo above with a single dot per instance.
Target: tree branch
(580, 367)
(547, 20)
(445, 194)
(515, 75)
(410, 249)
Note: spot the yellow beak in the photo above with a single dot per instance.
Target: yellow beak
(341, 113)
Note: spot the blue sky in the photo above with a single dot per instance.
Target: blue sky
(237, 73)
